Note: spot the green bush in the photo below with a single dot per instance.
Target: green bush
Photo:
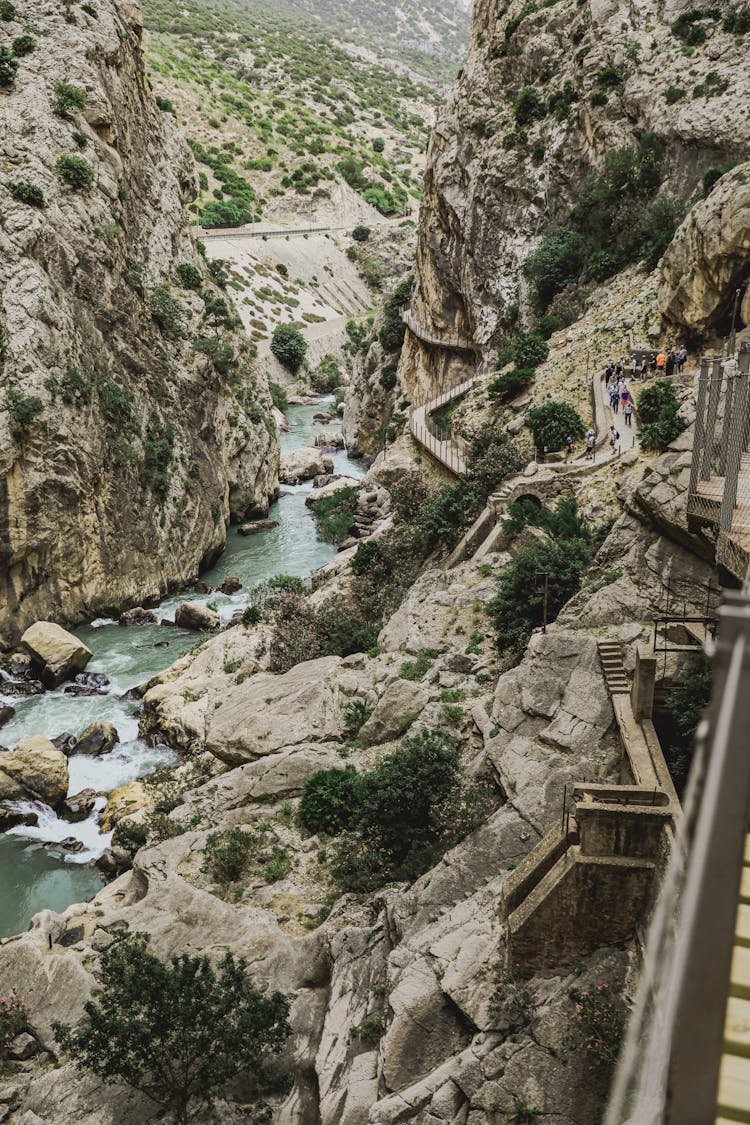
(713, 175)
(356, 714)
(329, 801)
(688, 25)
(76, 171)
(30, 194)
(23, 45)
(225, 213)
(166, 106)
(189, 276)
(738, 22)
(417, 669)
(528, 106)
(361, 234)
(23, 409)
(552, 422)
(178, 1032)
(167, 311)
(392, 333)
(7, 11)
(673, 94)
(658, 407)
(517, 608)
(279, 397)
(289, 346)
(378, 144)
(511, 384)
(597, 1026)
(228, 853)
(381, 199)
(334, 514)
(8, 67)
(557, 260)
(68, 98)
(610, 78)
(598, 98)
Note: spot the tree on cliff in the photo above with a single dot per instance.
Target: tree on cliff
(289, 346)
(176, 1032)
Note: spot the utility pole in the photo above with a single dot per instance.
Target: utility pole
(545, 575)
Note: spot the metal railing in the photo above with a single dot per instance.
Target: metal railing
(668, 1073)
(450, 339)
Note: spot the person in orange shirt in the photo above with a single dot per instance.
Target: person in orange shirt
(661, 360)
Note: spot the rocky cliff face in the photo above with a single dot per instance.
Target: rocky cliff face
(603, 74)
(124, 448)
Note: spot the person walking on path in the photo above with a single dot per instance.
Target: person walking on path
(590, 443)
(614, 437)
(624, 394)
(628, 412)
(661, 361)
(569, 447)
(614, 399)
(671, 361)
(644, 367)
(652, 363)
(681, 359)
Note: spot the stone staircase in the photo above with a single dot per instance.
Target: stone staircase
(611, 657)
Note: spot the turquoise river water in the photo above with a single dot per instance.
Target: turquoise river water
(33, 873)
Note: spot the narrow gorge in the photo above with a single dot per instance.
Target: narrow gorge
(369, 651)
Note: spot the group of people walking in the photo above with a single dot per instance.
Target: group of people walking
(653, 364)
(619, 395)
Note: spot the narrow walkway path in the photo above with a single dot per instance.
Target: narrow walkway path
(604, 417)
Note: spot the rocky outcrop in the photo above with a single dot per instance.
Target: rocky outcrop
(124, 449)
(193, 615)
(709, 260)
(56, 655)
(495, 180)
(34, 770)
(98, 738)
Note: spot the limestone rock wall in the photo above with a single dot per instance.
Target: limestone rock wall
(489, 195)
(136, 452)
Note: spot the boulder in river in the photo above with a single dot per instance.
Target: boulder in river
(123, 802)
(193, 615)
(23, 688)
(328, 489)
(65, 742)
(6, 713)
(303, 464)
(34, 770)
(70, 844)
(55, 653)
(97, 739)
(254, 526)
(87, 683)
(78, 807)
(230, 585)
(138, 616)
(10, 817)
(329, 439)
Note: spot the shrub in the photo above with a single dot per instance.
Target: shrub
(329, 801)
(279, 397)
(225, 213)
(23, 409)
(334, 514)
(518, 606)
(177, 1032)
(528, 106)
(167, 311)
(738, 22)
(511, 383)
(189, 276)
(378, 144)
(7, 11)
(8, 67)
(361, 234)
(713, 175)
(513, 1001)
(556, 262)
(289, 346)
(392, 333)
(68, 98)
(688, 25)
(356, 714)
(23, 45)
(30, 194)
(158, 449)
(220, 353)
(14, 1018)
(686, 701)
(76, 171)
(598, 98)
(381, 199)
(417, 669)
(658, 407)
(327, 375)
(610, 78)
(673, 94)
(227, 854)
(164, 104)
(552, 422)
(597, 1026)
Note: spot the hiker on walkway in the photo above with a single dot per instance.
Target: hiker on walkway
(624, 393)
(661, 361)
(681, 359)
(609, 372)
(644, 366)
(590, 443)
(628, 412)
(614, 399)
(633, 365)
(652, 363)
(671, 362)
(569, 447)
(614, 437)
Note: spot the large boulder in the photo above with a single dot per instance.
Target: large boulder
(55, 652)
(123, 802)
(193, 615)
(97, 739)
(304, 464)
(400, 704)
(34, 770)
(329, 489)
(79, 807)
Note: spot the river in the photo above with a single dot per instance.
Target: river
(34, 876)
